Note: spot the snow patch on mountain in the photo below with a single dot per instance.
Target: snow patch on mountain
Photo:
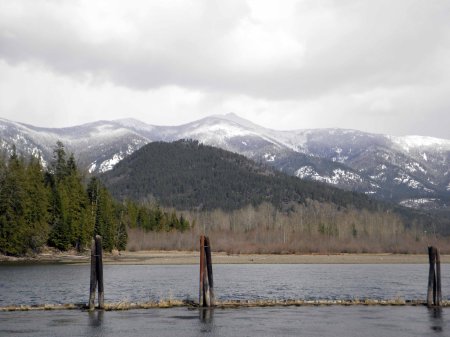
(110, 163)
(92, 167)
(407, 180)
(269, 157)
(134, 124)
(294, 140)
(417, 203)
(379, 177)
(306, 172)
(339, 158)
(225, 130)
(217, 133)
(413, 142)
(338, 175)
(343, 175)
(108, 131)
(414, 167)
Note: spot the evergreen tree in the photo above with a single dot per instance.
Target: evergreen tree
(54, 207)
(183, 224)
(174, 223)
(131, 211)
(121, 233)
(36, 206)
(70, 226)
(105, 222)
(60, 234)
(59, 165)
(12, 203)
(76, 202)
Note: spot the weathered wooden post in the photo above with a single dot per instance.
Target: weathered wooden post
(96, 274)
(206, 292)
(434, 296)
(438, 278)
(210, 272)
(93, 284)
(99, 264)
(431, 276)
(202, 270)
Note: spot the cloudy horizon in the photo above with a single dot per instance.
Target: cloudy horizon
(375, 66)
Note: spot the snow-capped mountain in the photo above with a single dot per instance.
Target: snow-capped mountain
(411, 170)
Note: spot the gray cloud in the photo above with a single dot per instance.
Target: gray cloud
(320, 49)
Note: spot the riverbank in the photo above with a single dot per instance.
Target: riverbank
(185, 257)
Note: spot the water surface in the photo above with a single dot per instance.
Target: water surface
(62, 284)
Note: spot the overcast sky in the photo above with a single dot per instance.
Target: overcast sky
(380, 66)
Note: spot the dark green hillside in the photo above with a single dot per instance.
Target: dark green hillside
(189, 175)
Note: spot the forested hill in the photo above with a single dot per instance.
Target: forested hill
(188, 175)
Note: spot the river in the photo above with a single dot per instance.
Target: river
(62, 284)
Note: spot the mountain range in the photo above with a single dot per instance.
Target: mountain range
(413, 171)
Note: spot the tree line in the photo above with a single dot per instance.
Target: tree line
(316, 227)
(59, 207)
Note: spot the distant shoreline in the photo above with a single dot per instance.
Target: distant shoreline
(186, 257)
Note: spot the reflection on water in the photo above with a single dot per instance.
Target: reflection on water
(335, 321)
(206, 314)
(436, 321)
(206, 319)
(96, 318)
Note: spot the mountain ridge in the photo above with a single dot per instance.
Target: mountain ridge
(410, 170)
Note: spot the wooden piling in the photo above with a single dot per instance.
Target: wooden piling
(438, 279)
(210, 272)
(99, 264)
(434, 295)
(206, 288)
(201, 298)
(96, 274)
(93, 284)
